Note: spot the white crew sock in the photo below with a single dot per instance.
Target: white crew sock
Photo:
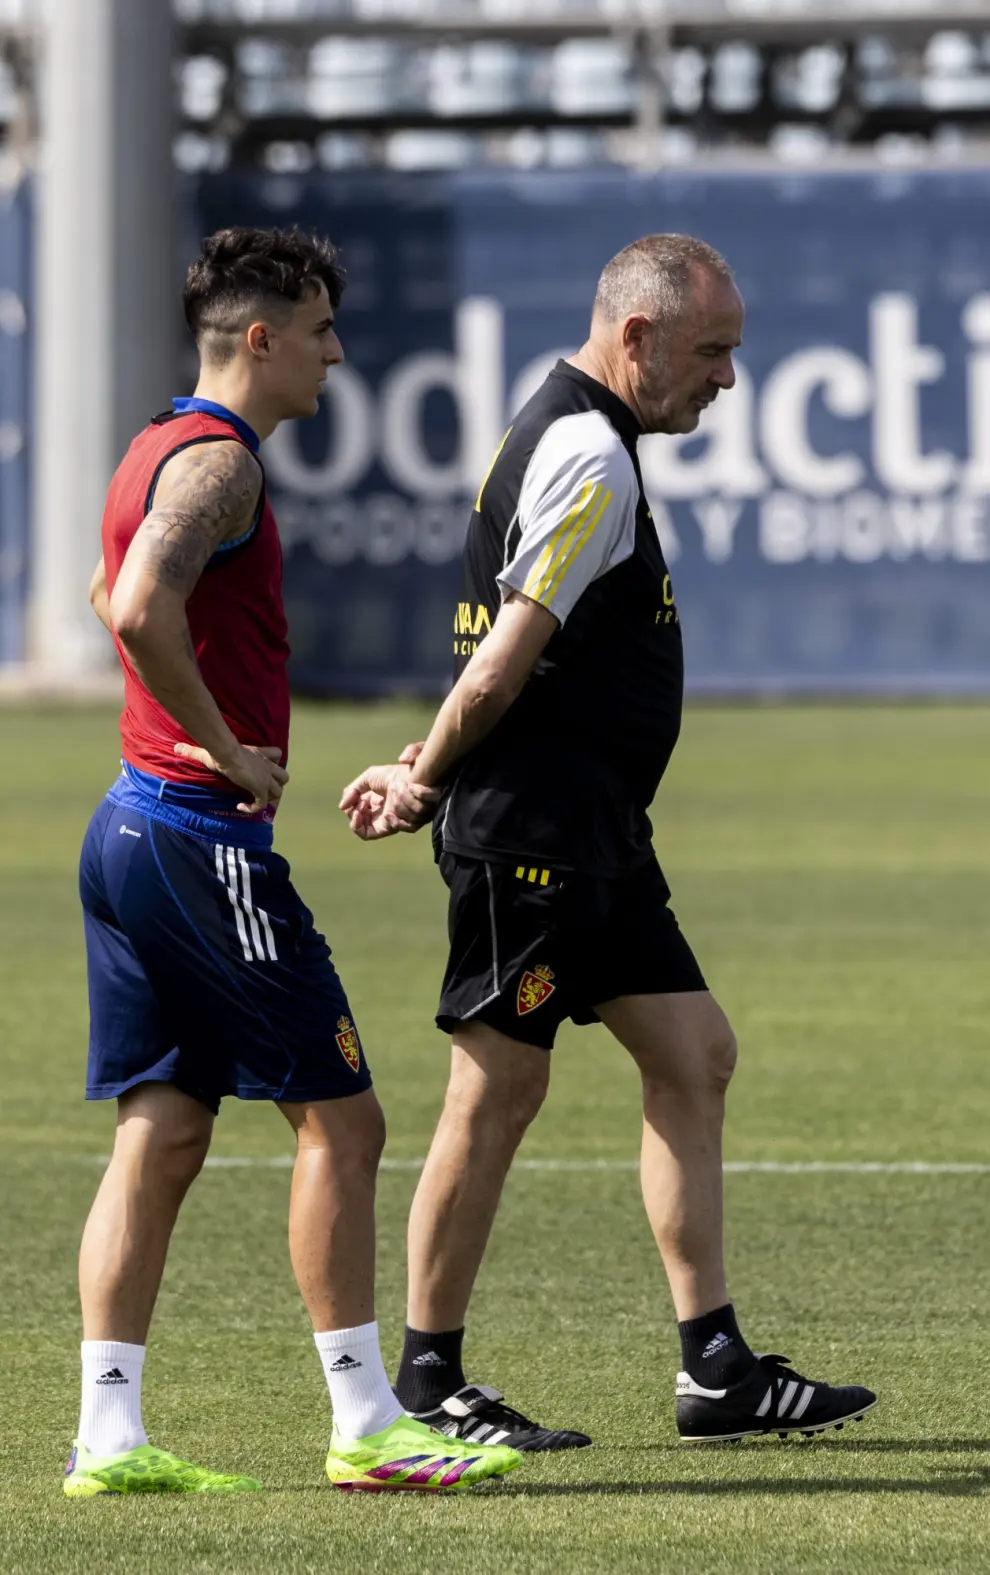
(110, 1422)
(360, 1393)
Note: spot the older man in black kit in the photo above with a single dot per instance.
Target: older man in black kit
(538, 774)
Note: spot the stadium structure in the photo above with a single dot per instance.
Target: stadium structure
(221, 108)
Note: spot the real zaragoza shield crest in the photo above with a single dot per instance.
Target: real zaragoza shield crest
(535, 987)
(347, 1041)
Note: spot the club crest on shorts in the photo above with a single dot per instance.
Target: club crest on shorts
(535, 987)
(347, 1042)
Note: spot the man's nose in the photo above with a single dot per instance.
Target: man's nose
(724, 373)
(334, 352)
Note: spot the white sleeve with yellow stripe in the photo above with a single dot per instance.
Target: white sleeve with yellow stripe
(576, 512)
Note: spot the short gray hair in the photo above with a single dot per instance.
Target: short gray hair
(654, 276)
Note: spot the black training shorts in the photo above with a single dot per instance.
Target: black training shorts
(530, 946)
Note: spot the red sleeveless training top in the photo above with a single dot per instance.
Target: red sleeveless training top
(236, 617)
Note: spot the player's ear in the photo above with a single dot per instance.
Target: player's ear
(259, 339)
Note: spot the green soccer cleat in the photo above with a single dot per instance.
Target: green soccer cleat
(144, 1470)
(408, 1455)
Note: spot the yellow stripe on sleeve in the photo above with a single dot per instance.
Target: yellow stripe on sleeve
(543, 570)
(574, 548)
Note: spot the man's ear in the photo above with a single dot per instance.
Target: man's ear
(635, 336)
(259, 339)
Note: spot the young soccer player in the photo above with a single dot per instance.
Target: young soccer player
(207, 975)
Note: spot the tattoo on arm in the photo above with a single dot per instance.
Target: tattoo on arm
(207, 495)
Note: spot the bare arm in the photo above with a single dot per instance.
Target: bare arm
(491, 681)
(400, 798)
(576, 510)
(98, 598)
(206, 495)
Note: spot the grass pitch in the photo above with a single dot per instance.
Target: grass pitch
(831, 868)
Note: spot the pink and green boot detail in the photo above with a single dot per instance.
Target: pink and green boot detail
(408, 1456)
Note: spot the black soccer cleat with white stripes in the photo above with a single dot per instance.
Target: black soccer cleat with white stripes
(477, 1415)
(770, 1399)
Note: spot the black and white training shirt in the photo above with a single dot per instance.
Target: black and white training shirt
(568, 774)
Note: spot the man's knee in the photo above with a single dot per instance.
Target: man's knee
(351, 1131)
(720, 1056)
(522, 1101)
(497, 1086)
(502, 1110)
(370, 1137)
(165, 1139)
(699, 1062)
(179, 1158)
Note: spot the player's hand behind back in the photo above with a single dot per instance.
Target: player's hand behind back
(255, 767)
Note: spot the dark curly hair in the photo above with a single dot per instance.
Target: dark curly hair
(243, 270)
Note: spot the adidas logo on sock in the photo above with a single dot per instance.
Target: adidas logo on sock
(114, 1376)
(429, 1359)
(345, 1364)
(721, 1342)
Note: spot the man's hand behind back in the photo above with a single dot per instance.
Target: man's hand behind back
(385, 799)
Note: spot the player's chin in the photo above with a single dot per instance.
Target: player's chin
(307, 407)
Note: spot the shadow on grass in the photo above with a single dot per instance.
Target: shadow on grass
(907, 1446)
(837, 1446)
(947, 1484)
(973, 1485)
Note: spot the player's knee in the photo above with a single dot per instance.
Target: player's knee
(345, 1135)
(358, 1150)
(163, 1136)
(371, 1138)
(175, 1158)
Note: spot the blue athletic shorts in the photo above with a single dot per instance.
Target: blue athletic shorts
(205, 968)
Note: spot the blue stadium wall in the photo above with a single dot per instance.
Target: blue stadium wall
(15, 405)
(828, 528)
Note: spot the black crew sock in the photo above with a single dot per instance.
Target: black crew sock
(430, 1370)
(712, 1349)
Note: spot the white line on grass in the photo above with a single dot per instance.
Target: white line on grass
(773, 1167)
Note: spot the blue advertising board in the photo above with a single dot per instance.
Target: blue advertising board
(828, 526)
(15, 276)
